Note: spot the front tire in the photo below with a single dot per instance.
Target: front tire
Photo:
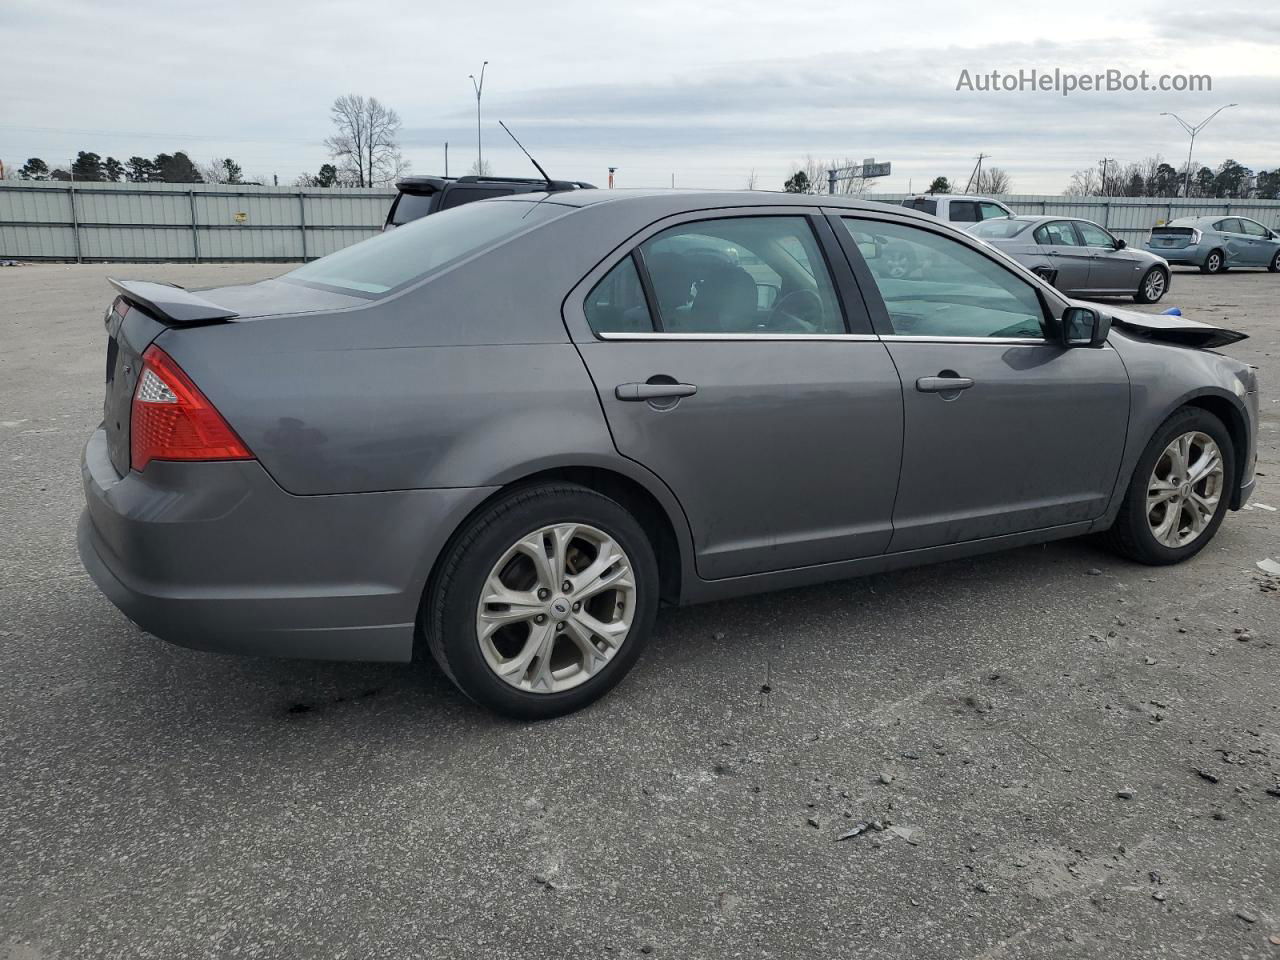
(1179, 491)
(1155, 282)
(1215, 262)
(1274, 265)
(543, 602)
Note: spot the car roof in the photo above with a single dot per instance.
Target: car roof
(675, 201)
(952, 196)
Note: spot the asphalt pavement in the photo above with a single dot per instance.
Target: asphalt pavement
(1054, 753)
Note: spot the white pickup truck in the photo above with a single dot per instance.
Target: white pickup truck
(958, 208)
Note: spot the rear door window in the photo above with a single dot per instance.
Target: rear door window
(1059, 233)
(1229, 225)
(964, 211)
(617, 304)
(742, 275)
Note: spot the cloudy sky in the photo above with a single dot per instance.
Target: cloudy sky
(707, 91)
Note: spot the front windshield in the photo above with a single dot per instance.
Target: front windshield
(1000, 229)
(389, 261)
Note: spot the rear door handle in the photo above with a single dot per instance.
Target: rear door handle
(654, 391)
(943, 384)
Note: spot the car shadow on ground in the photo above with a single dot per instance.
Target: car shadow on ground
(878, 613)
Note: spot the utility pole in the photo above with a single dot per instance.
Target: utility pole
(479, 88)
(975, 178)
(1193, 130)
(1103, 165)
(612, 171)
(446, 158)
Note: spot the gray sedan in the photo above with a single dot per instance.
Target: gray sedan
(507, 432)
(1216, 244)
(1078, 257)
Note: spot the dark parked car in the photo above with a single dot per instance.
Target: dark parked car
(506, 432)
(420, 196)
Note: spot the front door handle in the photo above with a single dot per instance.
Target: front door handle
(943, 384)
(654, 391)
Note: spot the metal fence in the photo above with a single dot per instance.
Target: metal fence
(1128, 217)
(183, 222)
(220, 222)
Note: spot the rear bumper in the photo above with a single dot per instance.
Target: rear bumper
(1190, 256)
(216, 556)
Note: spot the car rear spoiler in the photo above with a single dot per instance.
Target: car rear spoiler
(1180, 331)
(170, 303)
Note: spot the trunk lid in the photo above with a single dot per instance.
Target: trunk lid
(144, 310)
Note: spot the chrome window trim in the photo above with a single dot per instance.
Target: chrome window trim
(932, 338)
(672, 335)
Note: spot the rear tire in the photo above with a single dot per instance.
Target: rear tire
(549, 651)
(1154, 285)
(1215, 262)
(1162, 500)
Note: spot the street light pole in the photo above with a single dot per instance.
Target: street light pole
(1193, 130)
(479, 88)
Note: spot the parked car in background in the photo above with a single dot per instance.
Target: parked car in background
(961, 209)
(505, 434)
(1078, 257)
(1216, 244)
(420, 196)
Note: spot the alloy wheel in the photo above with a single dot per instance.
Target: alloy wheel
(556, 608)
(1153, 288)
(1185, 488)
(1214, 262)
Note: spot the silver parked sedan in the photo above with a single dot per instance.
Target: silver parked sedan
(506, 432)
(1078, 257)
(1216, 244)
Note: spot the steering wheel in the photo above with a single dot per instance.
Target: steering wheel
(798, 310)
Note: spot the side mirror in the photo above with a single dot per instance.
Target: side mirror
(1120, 244)
(1084, 327)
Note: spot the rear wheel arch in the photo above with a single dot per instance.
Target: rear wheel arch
(673, 551)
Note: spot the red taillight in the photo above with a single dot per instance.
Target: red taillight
(172, 420)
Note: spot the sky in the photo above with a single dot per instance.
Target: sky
(702, 94)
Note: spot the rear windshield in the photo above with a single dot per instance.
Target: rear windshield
(412, 206)
(923, 205)
(391, 260)
(999, 229)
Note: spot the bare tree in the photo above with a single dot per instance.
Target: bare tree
(751, 180)
(480, 168)
(1086, 182)
(994, 180)
(847, 184)
(366, 141)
